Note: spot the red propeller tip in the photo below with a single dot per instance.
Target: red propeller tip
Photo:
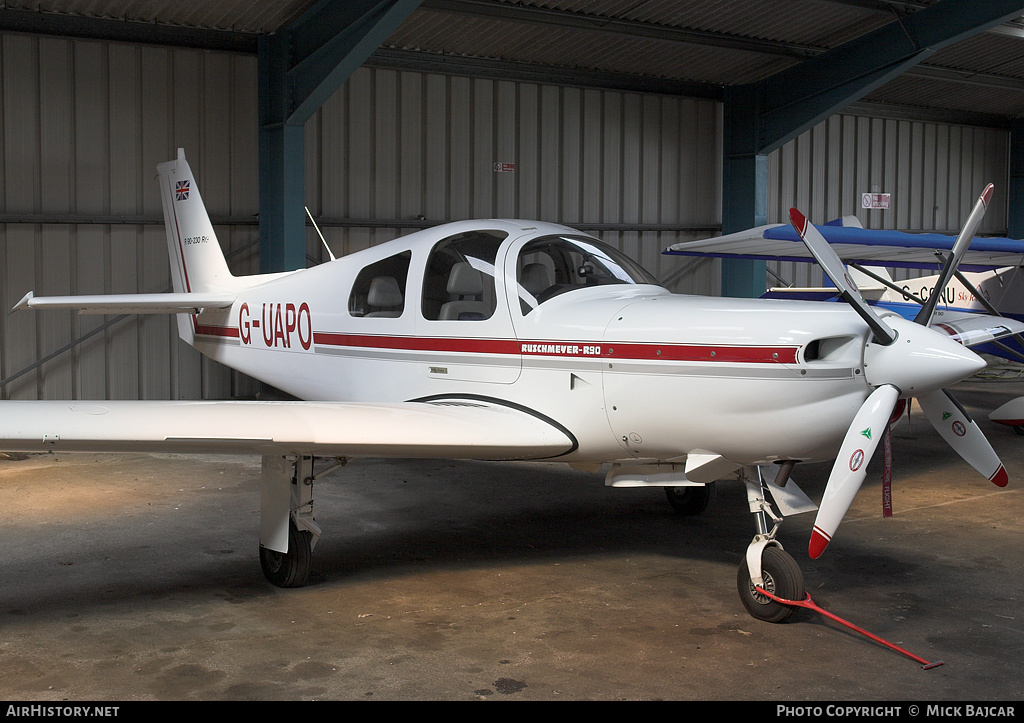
(1000, 478)
(798, 219)
(819, 541)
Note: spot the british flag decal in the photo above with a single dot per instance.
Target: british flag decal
(181, 190)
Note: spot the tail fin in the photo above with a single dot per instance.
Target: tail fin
(197, 261)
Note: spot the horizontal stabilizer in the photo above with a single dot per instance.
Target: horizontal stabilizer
(452, 429)
(130, 303)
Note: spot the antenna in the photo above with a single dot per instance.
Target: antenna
(322, 239)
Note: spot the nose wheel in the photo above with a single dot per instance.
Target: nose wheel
(780, 576)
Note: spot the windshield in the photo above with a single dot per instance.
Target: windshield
(553, 265)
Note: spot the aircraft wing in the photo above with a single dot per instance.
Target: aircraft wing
(973, 329)
(452, 428)
(856, 245)
(165, 303)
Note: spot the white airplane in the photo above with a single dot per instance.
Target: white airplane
(989, 281)
(513, 340)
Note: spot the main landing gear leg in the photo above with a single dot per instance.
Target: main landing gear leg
(766, 565)
(288, 532)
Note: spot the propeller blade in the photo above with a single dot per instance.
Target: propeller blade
(851, 464)
(961, 432)
(834, 269)
(960, 246)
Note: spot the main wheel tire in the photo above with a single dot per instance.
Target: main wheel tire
(782, 578)
(691, 500)
(289, 569)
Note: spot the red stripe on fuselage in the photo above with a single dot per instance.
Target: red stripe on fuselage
(418, 343)
(224, 331)
(701, 353)
(602, 350)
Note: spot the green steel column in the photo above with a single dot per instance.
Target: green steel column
(744, 205)
(299, 68)
(282, 167)
(1015, 193)
(744, 188)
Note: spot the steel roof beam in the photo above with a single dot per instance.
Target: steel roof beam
(799, 97)
(312, 57)
(321, 49)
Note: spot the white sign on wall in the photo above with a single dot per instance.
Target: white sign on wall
(874, 200)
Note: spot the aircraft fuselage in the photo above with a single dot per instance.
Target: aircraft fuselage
(627, 368)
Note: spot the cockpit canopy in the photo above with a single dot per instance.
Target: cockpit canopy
(459, 275)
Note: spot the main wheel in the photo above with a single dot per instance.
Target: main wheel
(782, 578)
(289, 569)
(691, 500)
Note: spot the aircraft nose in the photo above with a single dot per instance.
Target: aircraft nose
(920, 360)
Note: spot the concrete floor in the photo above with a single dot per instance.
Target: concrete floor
(137, 578)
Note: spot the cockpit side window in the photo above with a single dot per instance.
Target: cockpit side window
(553, 265)
(379, 289)
(458, 283)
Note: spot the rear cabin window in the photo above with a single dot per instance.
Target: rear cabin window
(458, 284)
(379, 289)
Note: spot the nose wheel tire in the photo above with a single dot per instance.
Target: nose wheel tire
(782, 577)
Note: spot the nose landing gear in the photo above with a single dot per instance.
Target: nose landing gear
(766, 565)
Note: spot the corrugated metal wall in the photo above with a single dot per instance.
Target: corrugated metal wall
(934, 173)
(84, 123)
(83, 126)
(404, 146)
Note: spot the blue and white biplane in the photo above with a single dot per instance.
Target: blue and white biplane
(988, 280)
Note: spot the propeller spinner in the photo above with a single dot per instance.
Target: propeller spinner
(906, 359)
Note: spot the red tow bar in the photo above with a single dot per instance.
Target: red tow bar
(811, 605)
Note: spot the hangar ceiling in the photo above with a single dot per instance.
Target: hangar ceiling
(693, 47)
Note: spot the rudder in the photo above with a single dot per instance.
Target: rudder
(197, 261)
